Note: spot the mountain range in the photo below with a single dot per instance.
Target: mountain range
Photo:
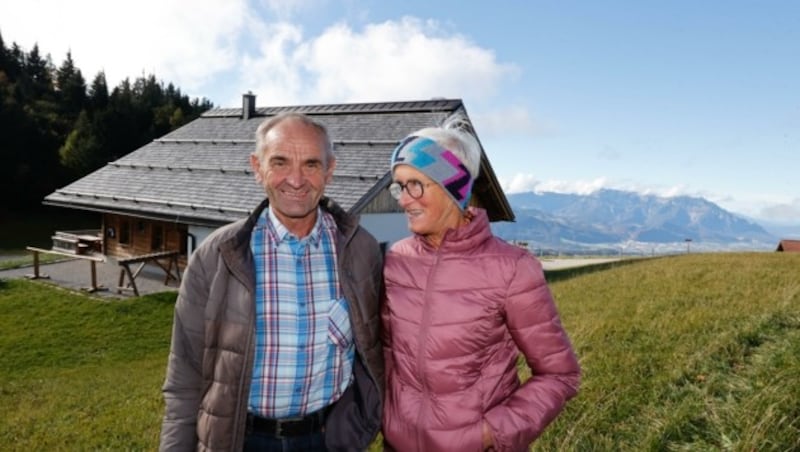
(611, 219)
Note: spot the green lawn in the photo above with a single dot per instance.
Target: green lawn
(692, 352)
(80, 373)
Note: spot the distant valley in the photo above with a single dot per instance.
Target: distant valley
(617, 222)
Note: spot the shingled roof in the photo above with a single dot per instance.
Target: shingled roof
(200, 173)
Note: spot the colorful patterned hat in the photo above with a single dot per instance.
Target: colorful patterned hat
(438, 163)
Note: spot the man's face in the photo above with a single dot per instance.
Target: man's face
(294, 171)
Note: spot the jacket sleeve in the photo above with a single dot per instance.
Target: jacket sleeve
(534, 324)
(184, 384)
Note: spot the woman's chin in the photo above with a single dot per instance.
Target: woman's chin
(415, 224)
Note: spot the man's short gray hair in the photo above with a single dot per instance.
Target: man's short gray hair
(270, 123)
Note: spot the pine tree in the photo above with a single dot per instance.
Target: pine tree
(71, 88)
(98, 93)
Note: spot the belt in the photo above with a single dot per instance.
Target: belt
(306, 425)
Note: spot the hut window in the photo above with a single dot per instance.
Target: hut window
(157, 238)
(124, 232)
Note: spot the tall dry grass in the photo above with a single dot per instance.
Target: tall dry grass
(692, 352)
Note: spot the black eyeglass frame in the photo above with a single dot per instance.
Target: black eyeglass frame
(412, 186)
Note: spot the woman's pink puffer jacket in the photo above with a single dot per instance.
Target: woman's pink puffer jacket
(455, 320)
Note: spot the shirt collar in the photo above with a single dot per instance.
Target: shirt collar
(282, 232)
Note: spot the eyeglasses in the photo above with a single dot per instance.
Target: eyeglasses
(413, 187)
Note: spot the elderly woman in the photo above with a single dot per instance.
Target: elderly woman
(461, 305)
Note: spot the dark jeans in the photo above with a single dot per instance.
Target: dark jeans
(263, 442)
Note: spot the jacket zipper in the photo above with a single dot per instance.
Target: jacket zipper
(426, 308)
(244, 381)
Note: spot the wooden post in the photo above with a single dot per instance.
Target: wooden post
(126, 270)
(94, 276)
(121, 280)
(35, 265)
(36, 274)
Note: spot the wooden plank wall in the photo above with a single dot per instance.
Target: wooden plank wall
(141, 237)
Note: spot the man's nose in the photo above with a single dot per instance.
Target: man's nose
(295, 177)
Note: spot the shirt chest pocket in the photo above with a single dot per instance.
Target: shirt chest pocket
(340, 331)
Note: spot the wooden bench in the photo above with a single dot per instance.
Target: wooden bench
(171, 262)
(93, 260)
(77, 242)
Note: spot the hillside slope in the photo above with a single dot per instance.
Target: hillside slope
(690, 352)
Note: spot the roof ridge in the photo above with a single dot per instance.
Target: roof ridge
(410, 106)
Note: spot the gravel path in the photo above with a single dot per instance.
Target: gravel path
(76, 274)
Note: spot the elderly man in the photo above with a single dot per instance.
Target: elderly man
(275, 343)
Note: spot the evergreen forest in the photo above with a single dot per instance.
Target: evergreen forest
(55, 127)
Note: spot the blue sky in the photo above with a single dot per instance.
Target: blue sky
(698, 98)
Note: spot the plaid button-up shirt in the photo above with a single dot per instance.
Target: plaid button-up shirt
(304, 347)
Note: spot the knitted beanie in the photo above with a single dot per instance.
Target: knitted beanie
(439, 164)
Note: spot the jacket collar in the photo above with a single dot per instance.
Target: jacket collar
(465, 237)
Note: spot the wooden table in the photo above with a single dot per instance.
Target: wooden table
(166, 260)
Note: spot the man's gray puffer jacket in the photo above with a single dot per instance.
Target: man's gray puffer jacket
(211, 358)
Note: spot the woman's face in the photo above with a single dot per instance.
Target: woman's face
(433, 213)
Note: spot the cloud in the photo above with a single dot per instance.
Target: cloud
(287, 8)
(408, 58)
(579, 187)
(520, 183)
(782, 212)
(273, 73)
(768, 207)
(221, 49)
(401, 60)
(180, 43)
(527, 182)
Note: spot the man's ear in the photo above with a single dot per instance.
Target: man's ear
(329, 171)
(255, 165)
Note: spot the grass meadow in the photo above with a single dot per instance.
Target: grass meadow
(689, 352)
